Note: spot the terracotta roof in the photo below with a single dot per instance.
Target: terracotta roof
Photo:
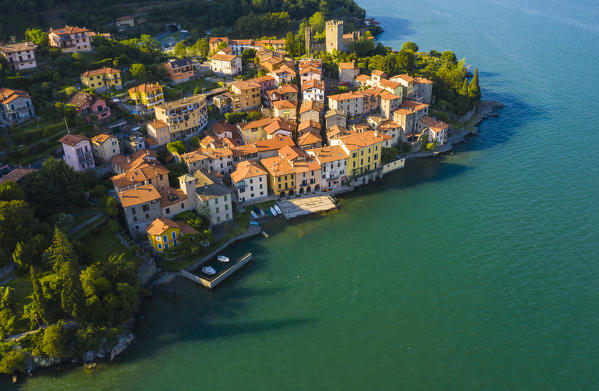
(404, 77)
(263, 79)
(16, 175)
(70, 30)
(101, 138)
(308, 105)
(333, 112)
(81, 99)
(346, 96)
(138, 195)
(309, 69)
(146, 87)
(277, 166)
(308, 138)
(101, 71)
(222, 127)
(388, 125)
(329, 154)
(362, 79)
(17, 47)
(337, 131)
(373, 91)
(247, 169)
(291, 152)
(422, 80)
(279, 124)
(171, 196)
(412, 106)
(347, 65)
(218, 39)
(386, 95)
(360, 140)
(376, 72)
(7, 95)
(245, 85)
(157, 124)
(259, 123)
(287, 88)
(308, 124)
(283, 104)
(161, 224)
(72, 139)
(436, 126)
(145, 171)
(390, 84)
(313, 83)
(223, 57)
(274, 143)
(194, 156)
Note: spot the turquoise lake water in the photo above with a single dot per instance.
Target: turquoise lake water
(478, 270)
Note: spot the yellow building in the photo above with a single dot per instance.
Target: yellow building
(246, 95)
(183, 116)
(165, 234)
(364, 150)
(281, 175)
(103, 79)
(105, 146)
(147, 94)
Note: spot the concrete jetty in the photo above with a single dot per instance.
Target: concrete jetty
(305, 206)
(212, 281)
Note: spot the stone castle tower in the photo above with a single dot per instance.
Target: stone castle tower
(308, 39)
(334, 39)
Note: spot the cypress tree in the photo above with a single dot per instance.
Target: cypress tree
(464, 90)
(474, 88)
(61, 251)
(39, 301)
(71, 294)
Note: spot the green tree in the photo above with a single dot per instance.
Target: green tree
(405, 60)
(317, 22)
(37, 36)
(55, 342)
(176, 147)
(464, 89)
(200, 48)
(40, 305)
(474, 88)
(111, 207)
(410, 46)
(388, 155)
(61, 251)
(56, 187)
(71, 295)
(194, 142)
(180, 49)
(235, 117)
(16, 224)
(13, 362)
(10, 191)
(29, 252)
(139, 71)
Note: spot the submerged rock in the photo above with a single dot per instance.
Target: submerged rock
(124, 341)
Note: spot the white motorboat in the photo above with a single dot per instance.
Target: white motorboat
(273, 211)
(254, 215)
(277, 209)
(222, 258)
(262, 212)
(209, 270)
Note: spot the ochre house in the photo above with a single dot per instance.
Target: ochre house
(148, 95)
(103, 79)
(165, 234)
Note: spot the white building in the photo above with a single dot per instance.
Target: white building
(225, 64)
(249, 181)
(19, 56)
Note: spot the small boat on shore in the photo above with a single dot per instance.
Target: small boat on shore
(277, 209)
(262, 213)
(268, 212)
(254, 215)
(222, 258)
(209, 270)
(273, 211)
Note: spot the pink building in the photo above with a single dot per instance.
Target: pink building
(88, 104)
(77, 152)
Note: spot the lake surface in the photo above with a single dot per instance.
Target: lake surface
(478, 270)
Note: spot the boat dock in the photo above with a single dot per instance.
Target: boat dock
(226, 270)
(305, 206)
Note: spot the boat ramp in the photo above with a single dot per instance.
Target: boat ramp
(305, 206)
(223, 270)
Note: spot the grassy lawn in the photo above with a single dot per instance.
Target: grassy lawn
(242, 220)
(171, 93)
(82, 215)
(191, 85)
(101, 242)
(23, 292)
(35, 124)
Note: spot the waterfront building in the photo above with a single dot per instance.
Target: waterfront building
(77, 152)
(250, 181)
(141, 206)
(215, 195)
(164, 234)
(333, 163)
(408, 116)
(437, 130)
(364, 150)
(103, 79)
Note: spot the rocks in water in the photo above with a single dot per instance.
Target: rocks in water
(44, 362)
(124, 341)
